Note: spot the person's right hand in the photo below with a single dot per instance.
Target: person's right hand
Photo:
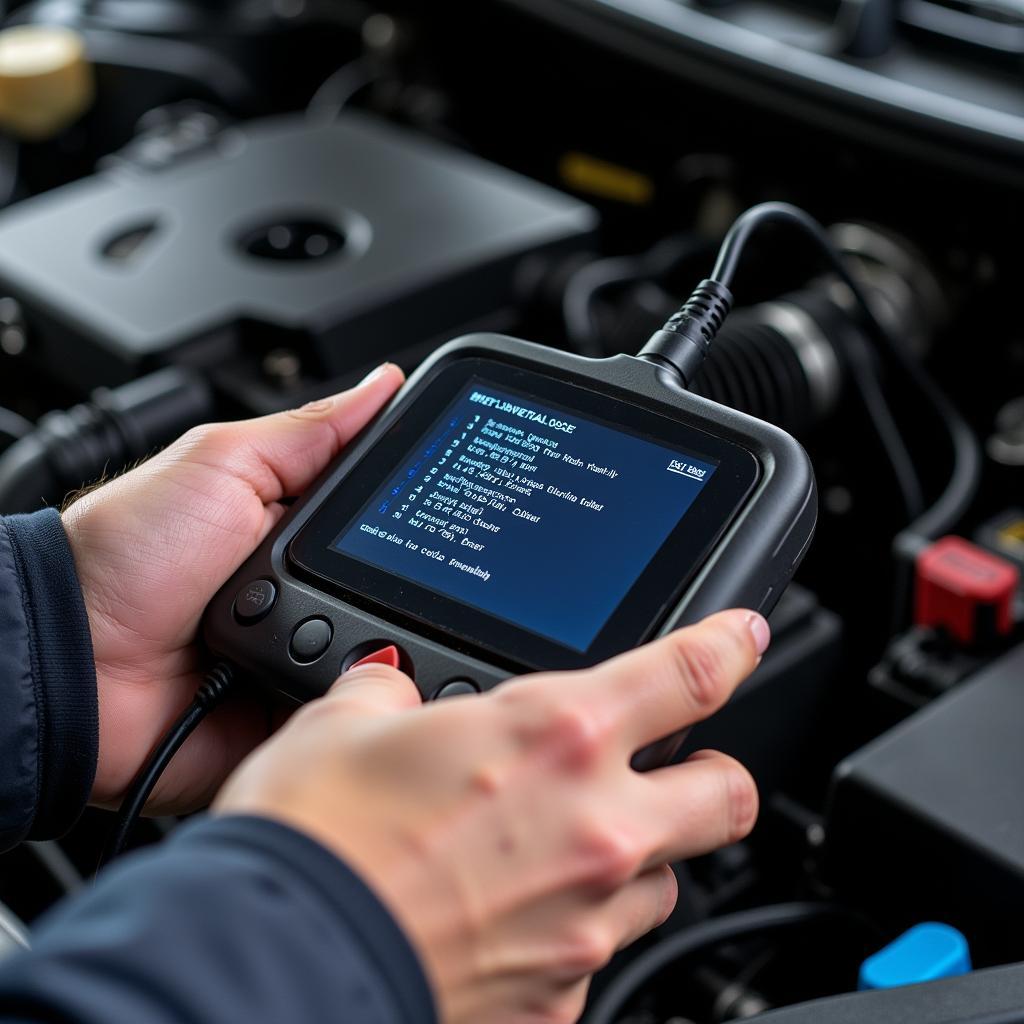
(507, 833)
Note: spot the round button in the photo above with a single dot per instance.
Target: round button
(456, 688)
(310, 640)
(254, 601)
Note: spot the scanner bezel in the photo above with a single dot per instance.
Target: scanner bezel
(415, 606)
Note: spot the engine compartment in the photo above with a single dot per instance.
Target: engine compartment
(259, 207)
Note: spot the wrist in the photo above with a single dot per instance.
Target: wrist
(122, 738)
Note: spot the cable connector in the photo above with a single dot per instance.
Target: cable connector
(215, 686)
(683, 343)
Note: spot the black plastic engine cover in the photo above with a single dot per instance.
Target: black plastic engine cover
(992, 995)
(353, 236)
(927, 822)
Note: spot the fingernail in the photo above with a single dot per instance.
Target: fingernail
(374, 374)
(354, 671)
(760, 631)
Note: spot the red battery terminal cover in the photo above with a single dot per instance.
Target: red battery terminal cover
(965, 589)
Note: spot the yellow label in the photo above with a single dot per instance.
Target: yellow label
(585, 173)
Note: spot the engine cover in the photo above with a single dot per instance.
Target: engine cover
(927, 822)
(352, 236)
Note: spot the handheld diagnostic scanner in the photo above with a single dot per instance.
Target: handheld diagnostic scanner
(518, 508)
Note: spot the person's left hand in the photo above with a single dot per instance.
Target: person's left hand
(152, 548)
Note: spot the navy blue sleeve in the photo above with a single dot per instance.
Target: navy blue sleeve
(232, 919)
(49, 730)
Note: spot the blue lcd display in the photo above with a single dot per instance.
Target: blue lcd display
(538, 516)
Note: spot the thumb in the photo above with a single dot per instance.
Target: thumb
(281, 454)
(374, 689)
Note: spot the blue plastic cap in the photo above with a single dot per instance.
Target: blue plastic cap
(924, 953)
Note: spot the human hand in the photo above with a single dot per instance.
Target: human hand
(507, 833)
(152, 547)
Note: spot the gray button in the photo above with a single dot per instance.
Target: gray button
(456, 688)
(254, 601)
(310, 640)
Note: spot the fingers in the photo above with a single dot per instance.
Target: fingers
(680, 679)
(642, 905)
(281, 454)
(374, 689)
(707, 802)
(614, 923)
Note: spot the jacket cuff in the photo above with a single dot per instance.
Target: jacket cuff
(62, 668)
(305, 862)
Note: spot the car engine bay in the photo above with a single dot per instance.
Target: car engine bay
(252, 205)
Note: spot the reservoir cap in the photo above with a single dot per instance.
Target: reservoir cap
(926, 952)
(46, 81)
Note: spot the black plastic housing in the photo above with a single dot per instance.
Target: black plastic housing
(131, 269)
(995, 995)
(926, 822)
(749, 566)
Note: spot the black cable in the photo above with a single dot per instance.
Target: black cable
(684, 340)
(10, 169)
(943, 515)
(584, 286)
(582, 290)
(199, 65)
(342, 86)
(13, 427)
(58, 865)
(12, 928)
(886, 429)
(743, 228)
(964, 479)
(215, 687)
(701, 938)
(69, 448)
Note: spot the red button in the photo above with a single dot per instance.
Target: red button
(385, 656)
(965, 589)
